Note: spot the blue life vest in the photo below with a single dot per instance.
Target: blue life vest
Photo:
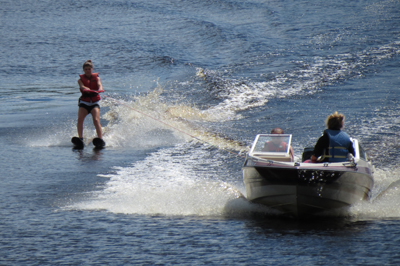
(339, 143)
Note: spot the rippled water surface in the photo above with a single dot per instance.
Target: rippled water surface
(188, 86)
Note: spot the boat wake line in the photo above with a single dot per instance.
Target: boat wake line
(180, 130)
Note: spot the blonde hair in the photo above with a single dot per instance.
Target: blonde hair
(335, 121)
(88, 63)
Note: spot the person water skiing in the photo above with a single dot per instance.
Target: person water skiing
(90, 87)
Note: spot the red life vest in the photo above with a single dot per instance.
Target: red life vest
(91, 83)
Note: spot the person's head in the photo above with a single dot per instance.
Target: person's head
(335, 121)
(88, 67)
(277, 130)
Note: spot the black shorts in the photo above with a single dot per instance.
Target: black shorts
(89, 108)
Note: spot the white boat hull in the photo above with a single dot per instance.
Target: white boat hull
(306, 189)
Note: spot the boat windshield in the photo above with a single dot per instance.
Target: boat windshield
(271, 144)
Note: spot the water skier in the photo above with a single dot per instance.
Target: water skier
(90, 87)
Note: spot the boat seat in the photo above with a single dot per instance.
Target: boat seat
(307, 152)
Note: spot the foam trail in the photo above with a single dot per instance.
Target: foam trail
(307, 77)
(178, 181)
(144, 121)
(385, 198)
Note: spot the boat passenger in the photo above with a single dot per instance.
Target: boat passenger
(334, 145)
(90, 87)
(277, 145)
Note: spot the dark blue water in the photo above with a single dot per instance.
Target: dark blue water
(188, 86)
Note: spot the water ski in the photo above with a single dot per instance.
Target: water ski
(78, 143)
(98, 143)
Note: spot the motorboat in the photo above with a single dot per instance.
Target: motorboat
(300, 189)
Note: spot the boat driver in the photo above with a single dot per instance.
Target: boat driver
(276, 144)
